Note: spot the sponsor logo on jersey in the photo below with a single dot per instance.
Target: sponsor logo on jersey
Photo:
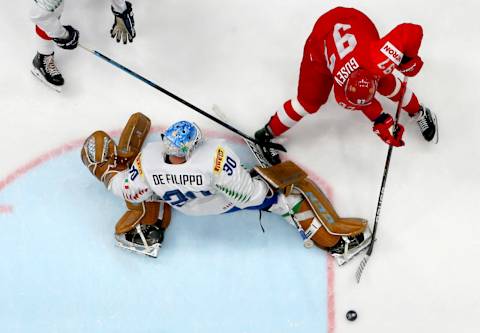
(219, 160)
(344, 72)
(138, 162)
(168, 178)
(392, 53)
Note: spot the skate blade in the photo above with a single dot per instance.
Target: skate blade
(342, 259)
(436, 137)
(151, 251)
(39, 76)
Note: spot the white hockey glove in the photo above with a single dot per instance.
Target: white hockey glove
(71, 41)
(124, 25)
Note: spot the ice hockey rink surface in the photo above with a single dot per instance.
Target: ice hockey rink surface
(59, 268)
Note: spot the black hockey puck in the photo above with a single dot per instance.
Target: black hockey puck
(351, 315)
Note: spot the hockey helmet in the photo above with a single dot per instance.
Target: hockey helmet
(360, 87)
(181, 138)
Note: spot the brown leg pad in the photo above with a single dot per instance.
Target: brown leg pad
(282, 175)
(134, 134)
(321, 238)
(143, 213)
(167, 215)
(325, 212)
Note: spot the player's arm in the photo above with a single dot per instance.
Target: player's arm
(401, 45)
(123, 28)
(383, 124)
(233, 181)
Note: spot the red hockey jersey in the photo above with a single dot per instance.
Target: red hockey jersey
(343, 40)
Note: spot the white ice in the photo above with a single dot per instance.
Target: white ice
(244, 56)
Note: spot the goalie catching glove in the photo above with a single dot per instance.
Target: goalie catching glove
(104, 159)
(142, 227)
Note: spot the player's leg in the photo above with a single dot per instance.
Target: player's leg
(389, 86)
(44, 66)
(46, 19)
(49, 31)
(315, 83)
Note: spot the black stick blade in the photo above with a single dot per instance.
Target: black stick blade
(273, 145)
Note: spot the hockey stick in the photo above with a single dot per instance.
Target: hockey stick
(184, 102)
(364, 261)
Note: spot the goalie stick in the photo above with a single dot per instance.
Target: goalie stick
(364, 261)
(181, 100)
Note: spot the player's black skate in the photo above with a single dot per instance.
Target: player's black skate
(265, 136)
(427, 121)
(45, 69)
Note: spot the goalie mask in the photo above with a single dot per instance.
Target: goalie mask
(360, 87)
(181, 138)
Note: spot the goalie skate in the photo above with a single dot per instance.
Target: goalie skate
(144, 239)
(344, 252)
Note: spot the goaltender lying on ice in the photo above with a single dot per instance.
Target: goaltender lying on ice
(206, 177)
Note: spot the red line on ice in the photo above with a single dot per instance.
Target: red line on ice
(77, 143)
(6, 209)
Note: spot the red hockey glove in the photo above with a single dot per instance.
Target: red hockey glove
(410, 66)
(384, 127)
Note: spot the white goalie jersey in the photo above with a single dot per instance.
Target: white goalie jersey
(211, 182)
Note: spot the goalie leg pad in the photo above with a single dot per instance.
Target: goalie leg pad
(142, 213)
(141, 228)
(290, 178)
(134, 134)
(146, 213)
(325, 212)
(308, 206)
(281, 176)
(313, 227)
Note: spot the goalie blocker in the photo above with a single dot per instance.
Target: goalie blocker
(309, 207)
(141, 229)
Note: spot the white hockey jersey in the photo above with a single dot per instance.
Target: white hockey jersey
(212, 181)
